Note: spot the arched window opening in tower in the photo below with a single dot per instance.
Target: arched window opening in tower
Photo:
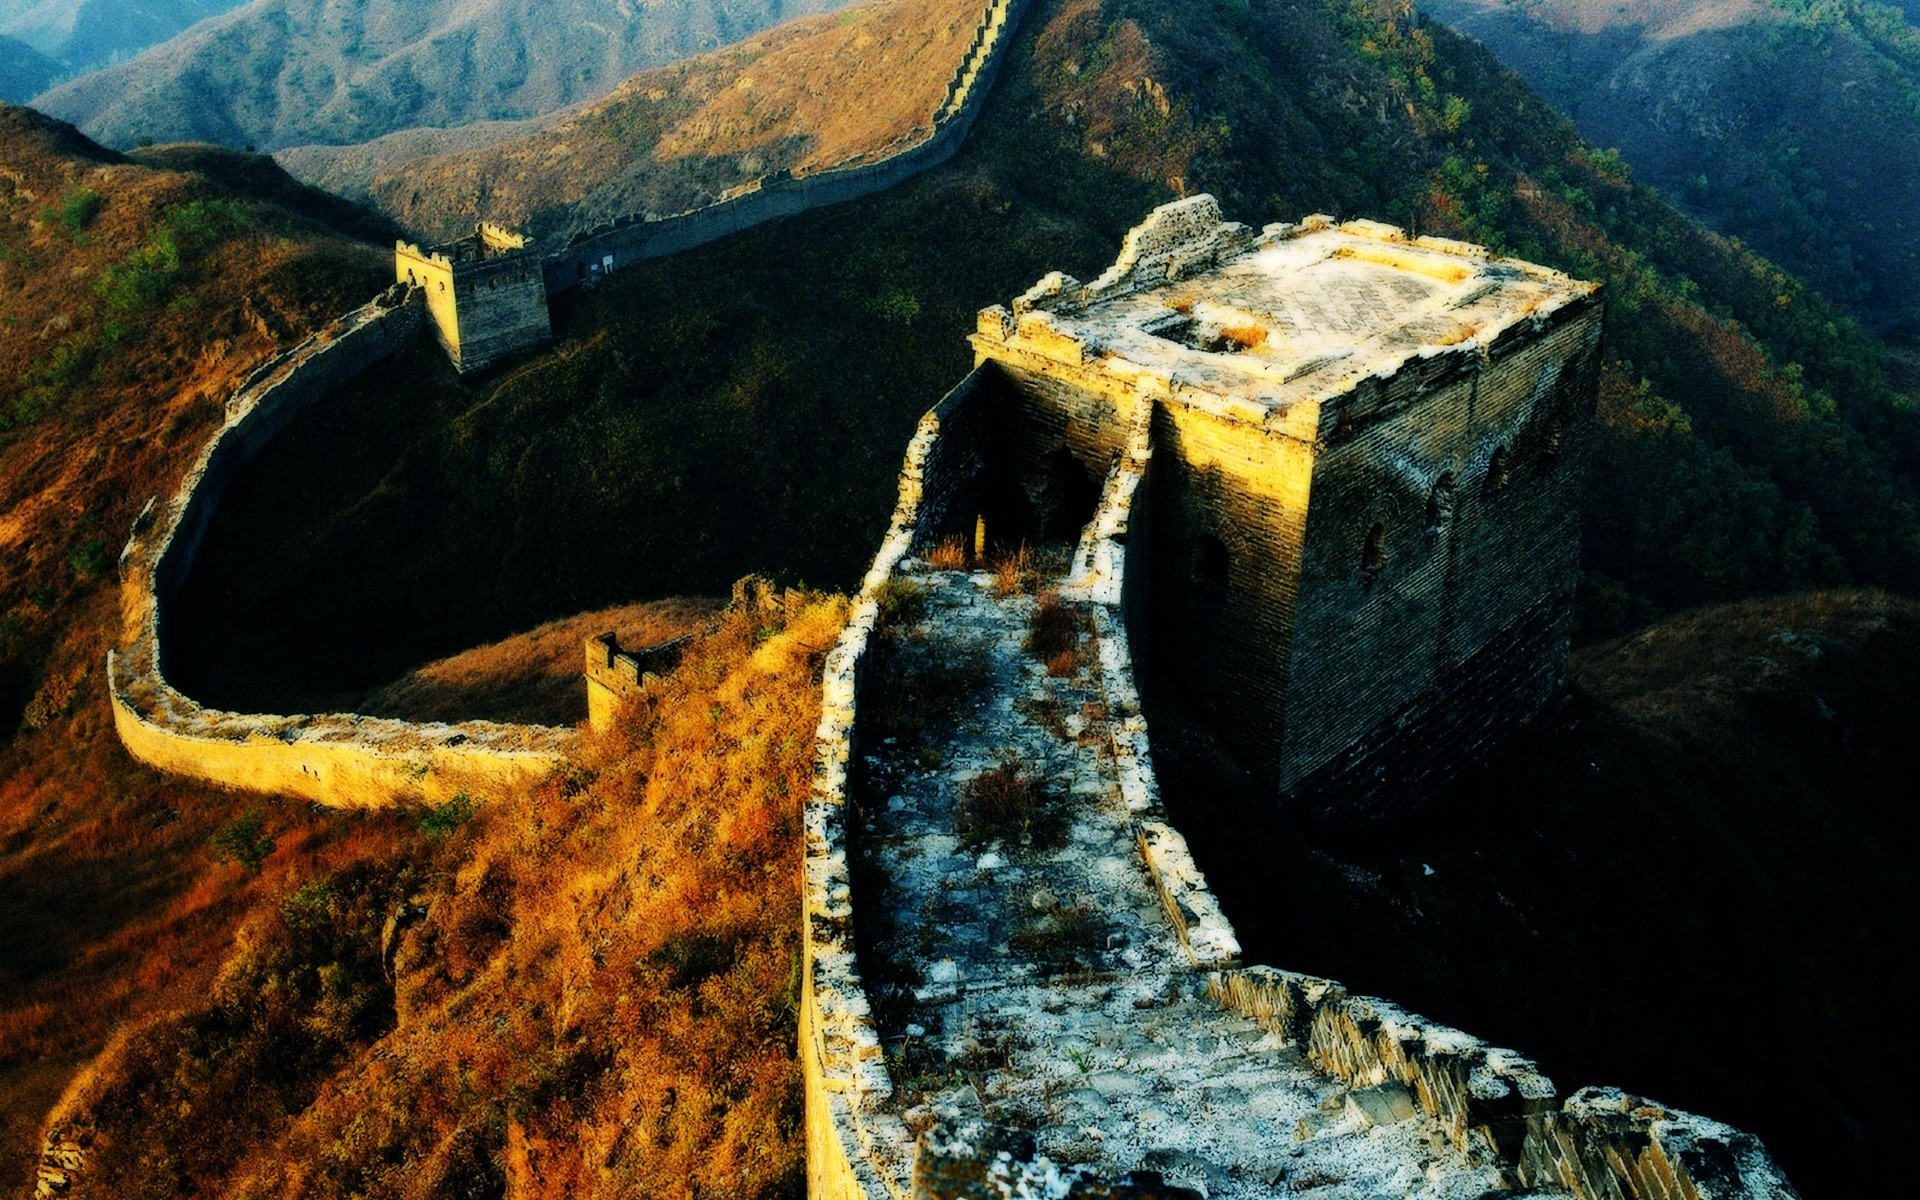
(1373, 554)
(1498, 470)
(1554, 435)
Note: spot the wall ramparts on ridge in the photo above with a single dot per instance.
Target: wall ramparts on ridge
(486, 294)
(343, 760)
(1494, 1104)
(615, 676)
(611, 246)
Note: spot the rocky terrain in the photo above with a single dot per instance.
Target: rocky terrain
(1791, 126)
(289, 72)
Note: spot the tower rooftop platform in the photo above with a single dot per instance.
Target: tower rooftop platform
(1217, 313)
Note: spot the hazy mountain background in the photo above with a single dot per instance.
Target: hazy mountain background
(82, 35)
(24, 71)
(1793, 125)
(674, 137)
(285, 72)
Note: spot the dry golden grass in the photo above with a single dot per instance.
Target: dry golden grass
(593, 985)
(1056, 634)
(950, 554)
(533, 677)
(1012, 571)
(113, 906)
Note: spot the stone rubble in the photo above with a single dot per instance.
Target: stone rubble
(1121, 1062)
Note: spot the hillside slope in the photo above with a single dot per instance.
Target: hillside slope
(24, 71)
(741, 407)
(286, 72)
(83, 35)
(672, 138)
(134, 295)
(587, 990)
(1793, 126)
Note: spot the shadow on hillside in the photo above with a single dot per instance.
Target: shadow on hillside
(1689, 882)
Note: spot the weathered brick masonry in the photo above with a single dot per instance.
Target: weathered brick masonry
(486, 293)
(1364, 516)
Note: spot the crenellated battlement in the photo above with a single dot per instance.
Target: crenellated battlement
(486, 293)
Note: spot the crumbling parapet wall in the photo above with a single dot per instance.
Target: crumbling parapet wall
(619, 243)
(343, 760)
(1110, 546)
(615, 676)
(857, 1149)
(856, 1146)
(1597, 1144)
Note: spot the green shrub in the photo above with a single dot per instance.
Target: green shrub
(244, 840)
(440, 820)
(76, 211)
(89, 560)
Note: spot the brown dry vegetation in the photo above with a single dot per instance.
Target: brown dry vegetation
(533, 678)
(133, 294)
(812, 94)
(587, 990)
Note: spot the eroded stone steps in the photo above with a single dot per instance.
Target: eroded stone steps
(1041, 986)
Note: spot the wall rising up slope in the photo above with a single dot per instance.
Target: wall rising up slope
(342, 760)
(1494, 1119)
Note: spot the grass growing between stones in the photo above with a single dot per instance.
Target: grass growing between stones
(1062, 940)
(1056, 634)
(1010, 803)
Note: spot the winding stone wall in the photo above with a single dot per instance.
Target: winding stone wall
(342, 760)
(856, 1148)
(631, 239)
(1494, 1105)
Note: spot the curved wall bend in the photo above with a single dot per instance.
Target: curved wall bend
(342, 760)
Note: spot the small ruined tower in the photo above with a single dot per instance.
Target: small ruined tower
(486, 292)
(1362, 535)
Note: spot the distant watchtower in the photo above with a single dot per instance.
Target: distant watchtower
(1362, 534)
(486, 293)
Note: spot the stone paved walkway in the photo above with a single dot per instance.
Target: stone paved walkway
(1035, 982)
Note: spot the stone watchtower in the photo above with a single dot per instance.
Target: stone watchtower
(486, 292)
(1362, 529)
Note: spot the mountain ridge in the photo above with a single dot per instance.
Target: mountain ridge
(671, 138)
(84, 35)
(24, 71)
(285, 72)
(1759, 92)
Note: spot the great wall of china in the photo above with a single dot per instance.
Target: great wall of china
(609, 247)
(1152, 1059)
(1021, 1043)
(351, 761)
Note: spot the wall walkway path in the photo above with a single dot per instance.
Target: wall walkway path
(1085, 986)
